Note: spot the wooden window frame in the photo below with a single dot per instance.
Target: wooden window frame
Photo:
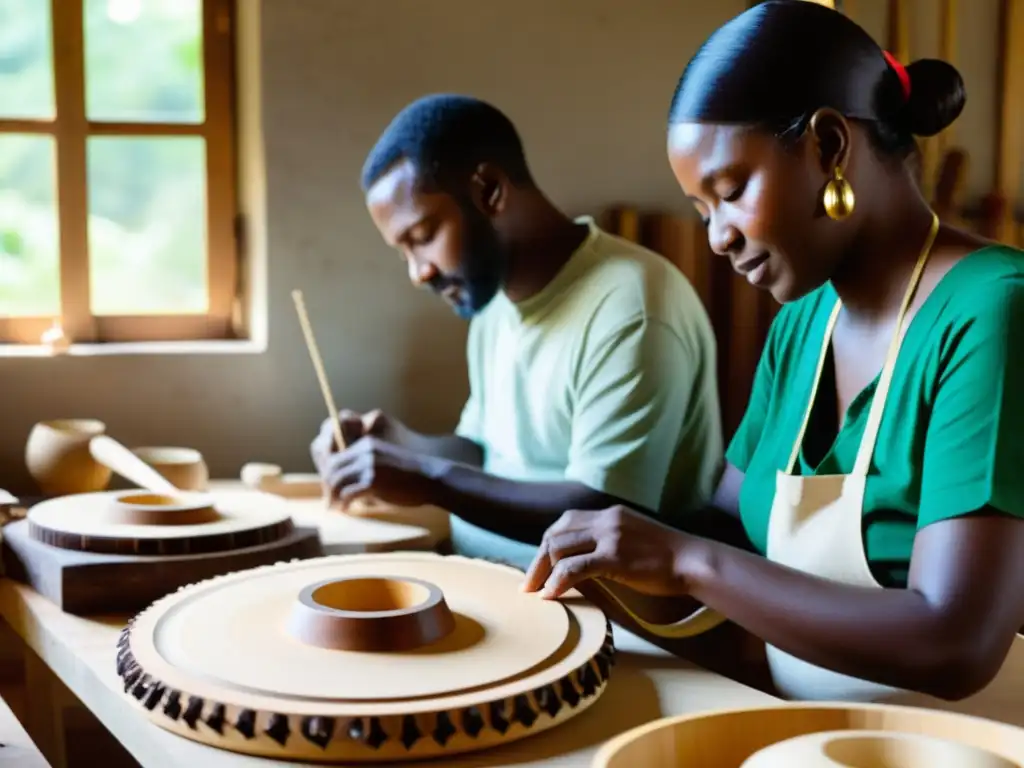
(71, 130)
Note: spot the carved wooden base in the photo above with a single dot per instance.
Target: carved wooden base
(89, 583)
(184, 664)
(365, 739)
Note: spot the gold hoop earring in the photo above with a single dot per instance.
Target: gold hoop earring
(839, 199)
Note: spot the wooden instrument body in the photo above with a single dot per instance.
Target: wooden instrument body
(88, 583)
(514, 665)
(306, 488)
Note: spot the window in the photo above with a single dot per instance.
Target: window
(117, 170)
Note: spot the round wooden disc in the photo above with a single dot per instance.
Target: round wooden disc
(215, 662)
(91, 522)
(230, 635)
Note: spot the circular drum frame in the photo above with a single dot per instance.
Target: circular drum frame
(364, 731)
(110, 522)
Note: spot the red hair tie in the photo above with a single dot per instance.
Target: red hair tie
(901, 72)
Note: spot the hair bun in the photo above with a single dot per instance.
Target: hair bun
(937, 96)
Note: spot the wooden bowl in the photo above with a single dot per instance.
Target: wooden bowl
(58, 459)
(817, 735)
(183, 468)
(874, 749)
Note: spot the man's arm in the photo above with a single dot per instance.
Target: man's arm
(512, 508)
(454, 448)
(630, 402)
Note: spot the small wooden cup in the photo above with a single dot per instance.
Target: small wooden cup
(183, 468)
(376, 614)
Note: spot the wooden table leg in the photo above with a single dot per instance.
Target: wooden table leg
(45, 710)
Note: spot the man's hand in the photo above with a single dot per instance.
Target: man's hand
(388, 472)
(353, 427)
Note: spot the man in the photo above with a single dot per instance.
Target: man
(591, 360)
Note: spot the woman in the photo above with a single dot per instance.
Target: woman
(879, 468)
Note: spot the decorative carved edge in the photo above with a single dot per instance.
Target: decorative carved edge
(525, 708)
(579, 685)
(198, 545)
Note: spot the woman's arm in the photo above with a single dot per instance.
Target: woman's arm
(946, 634)
(718, 522)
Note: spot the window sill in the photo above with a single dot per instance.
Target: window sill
(137, 348)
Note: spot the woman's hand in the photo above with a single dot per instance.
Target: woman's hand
(616, 544)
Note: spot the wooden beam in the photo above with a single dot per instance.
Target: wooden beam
(1010, 116)
(222, 172)
(934, 148)
(947, 52)
(106, 128)
(72, 170)
(28, 126)
(898, 35)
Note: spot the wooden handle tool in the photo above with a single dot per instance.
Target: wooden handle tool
(318, 365)
(107, 451)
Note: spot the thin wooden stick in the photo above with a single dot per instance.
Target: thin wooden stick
(318, 364)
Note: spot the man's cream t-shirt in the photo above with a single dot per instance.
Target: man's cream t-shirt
(606, 377)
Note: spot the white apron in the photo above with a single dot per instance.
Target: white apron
(815, 527)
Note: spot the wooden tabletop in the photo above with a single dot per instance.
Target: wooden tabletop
(646, 683)
(377, 528)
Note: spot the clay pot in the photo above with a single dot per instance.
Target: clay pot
(58, 459)
(183, 468)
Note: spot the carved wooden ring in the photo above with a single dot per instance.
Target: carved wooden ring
(377, 614)
(147, 508)
(141, 522)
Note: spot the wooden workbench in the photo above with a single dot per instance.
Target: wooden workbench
(646, 683)
(17, 750)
